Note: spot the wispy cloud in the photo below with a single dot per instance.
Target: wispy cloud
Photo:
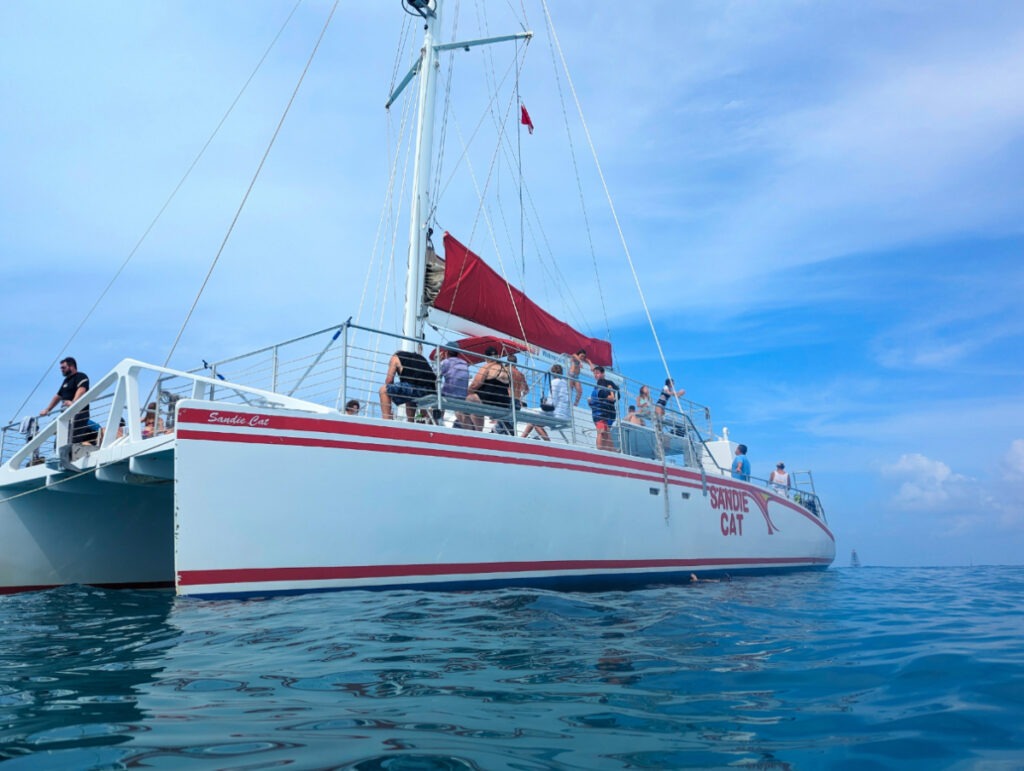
(914, 139)
(961, 505)
(950, 339)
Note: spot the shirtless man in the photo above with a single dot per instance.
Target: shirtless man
(576, 362)
(519, 386)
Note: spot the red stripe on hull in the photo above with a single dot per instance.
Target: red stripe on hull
(399, 433)
(217, 436)
(260, 575)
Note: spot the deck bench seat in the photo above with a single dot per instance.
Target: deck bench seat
(506, 414)
(430, 401)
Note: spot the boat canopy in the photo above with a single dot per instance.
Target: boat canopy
(473, 290)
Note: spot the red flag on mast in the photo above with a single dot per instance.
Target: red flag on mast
(525, 119)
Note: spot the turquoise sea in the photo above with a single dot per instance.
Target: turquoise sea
(869, 668)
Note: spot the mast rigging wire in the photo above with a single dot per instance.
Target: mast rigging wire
(159, 214)
(252, 184)
(608, 196)
(575, 164)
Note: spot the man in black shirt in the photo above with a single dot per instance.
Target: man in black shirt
(416, 379)
(75, 385)
(604, 409)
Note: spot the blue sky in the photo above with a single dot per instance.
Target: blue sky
(823, 203)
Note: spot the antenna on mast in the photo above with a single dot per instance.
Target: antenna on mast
(424, 8)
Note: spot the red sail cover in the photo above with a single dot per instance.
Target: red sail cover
(472, 290)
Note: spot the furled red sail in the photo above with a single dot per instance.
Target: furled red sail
(474, 291)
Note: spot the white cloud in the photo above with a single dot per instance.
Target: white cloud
(924, 483)
(1013, 462)
(963, 505)
(1009, 491)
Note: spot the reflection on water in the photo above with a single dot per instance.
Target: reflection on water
(843, 668)
(72, 662)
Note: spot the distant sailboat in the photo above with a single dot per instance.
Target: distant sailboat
(854, 559)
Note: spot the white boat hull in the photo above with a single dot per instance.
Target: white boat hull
(270, 502)
(279, 501)
(86, 531)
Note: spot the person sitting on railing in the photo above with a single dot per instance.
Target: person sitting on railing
(415, 379)
(602, 408)
(75, 385)
(490, 387)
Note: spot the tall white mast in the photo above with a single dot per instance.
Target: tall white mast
(412, 323)
(421, 207)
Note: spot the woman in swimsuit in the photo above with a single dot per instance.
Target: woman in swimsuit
(490, 387)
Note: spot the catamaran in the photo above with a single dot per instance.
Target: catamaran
(254, 479)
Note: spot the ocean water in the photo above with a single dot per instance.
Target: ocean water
(868, 668)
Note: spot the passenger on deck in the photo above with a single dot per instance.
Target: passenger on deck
(490, 387)
(151, 424)
(633, 416)
(666, 393)
(454, 374)
(122, 427)
(559, 401)
(540, 431)
(519, 387)
(644, 404)
(559, 393)
(455, 383)
(741, 466)
(576, 362)
(779, 479)
(352, 407)
(415, 379)
(602, 407)
(75, 385)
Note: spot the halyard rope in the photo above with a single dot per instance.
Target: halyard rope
(163, 208)
(252, 184)
(608, 196)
